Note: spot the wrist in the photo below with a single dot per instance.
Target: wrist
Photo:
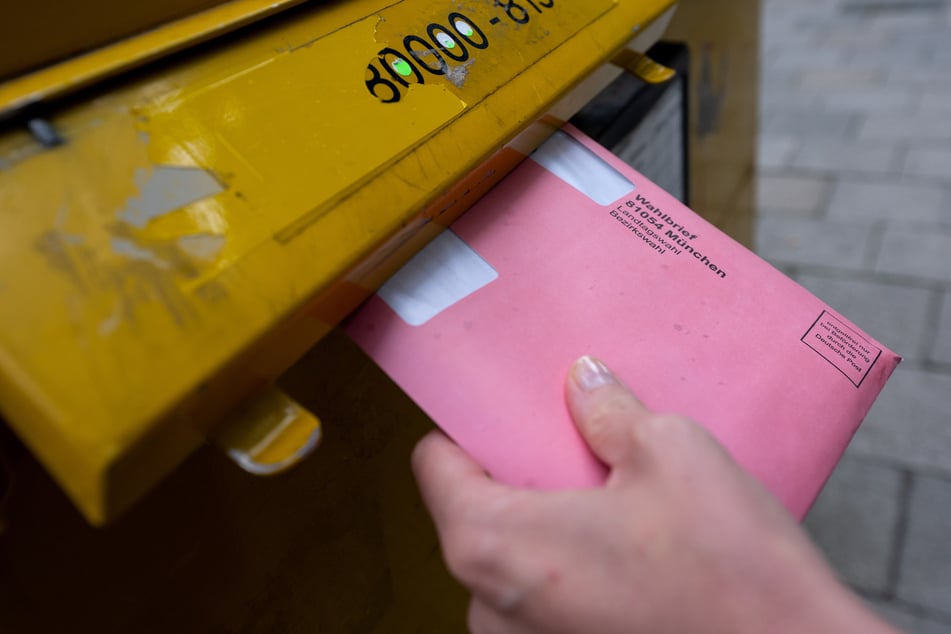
(796, 592)
(829, 607)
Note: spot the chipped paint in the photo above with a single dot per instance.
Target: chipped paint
(55, 247)
(129, 249)
(165, 189)
(204, 246)
(109, 325)
(45, 133)
(458, 74)
(24, 149)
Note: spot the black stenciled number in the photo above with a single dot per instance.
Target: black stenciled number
(447, 42)
(389, 56)
(459, 53)
(547, 5)
(483, 42)
(516, 12)
(375, 80)
(426, 52)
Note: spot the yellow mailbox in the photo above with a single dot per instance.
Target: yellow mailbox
(192, 194)
(175, 237)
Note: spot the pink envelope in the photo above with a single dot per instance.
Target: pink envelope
(575, 253)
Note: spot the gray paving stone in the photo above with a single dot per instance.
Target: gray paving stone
(925, 575)
(933, 162)
(842, 158)
(799, 241)
(910, 423)
(775, 152)
(805, 122)
(786, 97)
(940, 51)
(776, 212)
(923, 253)
(779, 90)
(920, 75)
(889, 201)
(908, 21)
(779, 82)
(895, 315)
(859, 39)
(910, 622)
(909, 53)
(941, 351)
(854, 522)
(786, 30)
(893, 79)
(896, 127)
(870, 101)
(807, 58)
(802, 195)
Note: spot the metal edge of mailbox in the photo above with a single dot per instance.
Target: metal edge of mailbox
(81, 70)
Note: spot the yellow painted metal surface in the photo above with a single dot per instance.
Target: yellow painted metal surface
(206, 222)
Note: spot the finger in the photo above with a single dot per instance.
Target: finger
(606, 412)
(484, 619)
(445, 473)
(473, 515)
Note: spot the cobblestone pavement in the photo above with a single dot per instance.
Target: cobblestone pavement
(855, 203)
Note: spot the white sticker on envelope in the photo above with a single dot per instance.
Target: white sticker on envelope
(445, 272)
(581, 168)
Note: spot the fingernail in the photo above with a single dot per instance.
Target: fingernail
(590, 373)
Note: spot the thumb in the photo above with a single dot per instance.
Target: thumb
(606, 412)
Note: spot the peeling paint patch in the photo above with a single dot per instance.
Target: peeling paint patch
(204, 246)
(56, 249)
(108, 325)
(165, 189)
(20, 153)
(459, 74)
(131, 250)
(44, 132)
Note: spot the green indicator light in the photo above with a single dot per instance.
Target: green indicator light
(464, 28)
(402, 67)
(445, 40)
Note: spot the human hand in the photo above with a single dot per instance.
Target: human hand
(678, 540)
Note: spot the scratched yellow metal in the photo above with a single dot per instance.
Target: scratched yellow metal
(205, 221)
